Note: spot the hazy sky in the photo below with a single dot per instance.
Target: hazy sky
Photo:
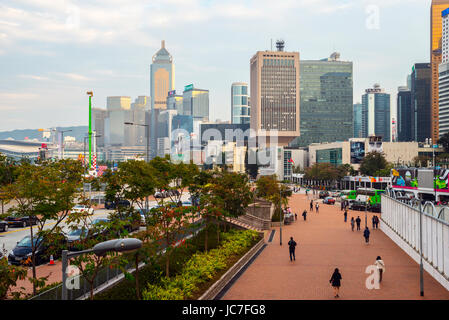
(53, 51)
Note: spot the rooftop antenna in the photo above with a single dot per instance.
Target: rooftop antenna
(280, 44)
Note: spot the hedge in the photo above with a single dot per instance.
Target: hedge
(201, 268)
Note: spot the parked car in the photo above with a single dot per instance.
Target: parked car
(16, 221)
(80, 208)
(329, 200)
(20, 254)
(323, 194)
(358, 205)
(3, 226)
(375, 208)
(75, 236)
(111, 205)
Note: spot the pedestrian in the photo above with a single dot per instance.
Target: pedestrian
(335, 282)
(346, 215)
(380, 267)
(291, 248)
(342, 205)
(377, 222)
(352, 223)
(358, 220)
(317, 206)
(296, 217)
(311, 205)
(374, 222)
(366, 234)
(304, 214)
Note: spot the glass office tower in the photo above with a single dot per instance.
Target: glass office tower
(378, 117)
(404, 114)
(421, 122)
(196, 103)
(358, 120)
(326, 91)
(240, 107)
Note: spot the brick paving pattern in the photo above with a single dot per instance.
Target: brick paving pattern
(326, 242)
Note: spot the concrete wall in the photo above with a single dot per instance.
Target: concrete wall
(401, 223)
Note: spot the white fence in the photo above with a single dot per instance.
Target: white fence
(400, 222)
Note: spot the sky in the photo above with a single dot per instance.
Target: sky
(53, 51)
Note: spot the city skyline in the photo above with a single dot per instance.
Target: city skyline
(51, 54)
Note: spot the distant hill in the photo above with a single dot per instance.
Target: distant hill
(78, 132)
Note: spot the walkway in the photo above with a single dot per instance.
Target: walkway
(325, 242)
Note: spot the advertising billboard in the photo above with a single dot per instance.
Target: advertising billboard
(357, 152)
(405, 178)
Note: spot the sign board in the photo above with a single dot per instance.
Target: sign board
(188, 87)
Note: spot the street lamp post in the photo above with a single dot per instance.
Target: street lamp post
(100, 249)
(90, 94)
(84, 148)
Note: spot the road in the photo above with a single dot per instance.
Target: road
(9, 239)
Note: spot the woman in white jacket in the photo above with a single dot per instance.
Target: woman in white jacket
(380, 266)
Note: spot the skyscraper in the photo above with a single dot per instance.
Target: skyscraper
(119, 111)
(421, 123)
(162, 80)
(196, 103)
(377, 105)
(240, 109)
(436, 31)
(174, 101)
(358, 120)
(404, 114)
(326, 91)
(443, 99)
(275, 102)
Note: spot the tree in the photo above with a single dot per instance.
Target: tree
(269, 188)
(9, 275)
(372, 163)
(47, 191)
(444, 141)
(420, 161)
(346, 169)
(167, 224)
(7, 175)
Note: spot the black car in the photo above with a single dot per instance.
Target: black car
(324, 194)
(358, 205)
(3, 226)
(16, 221)
(20, 254)
(110, 205)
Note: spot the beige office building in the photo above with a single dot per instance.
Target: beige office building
(275, 94)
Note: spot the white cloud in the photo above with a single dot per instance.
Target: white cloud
(33, 77)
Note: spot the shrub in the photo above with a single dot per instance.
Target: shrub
(201, 267)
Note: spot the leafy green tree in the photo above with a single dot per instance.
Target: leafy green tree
(7, 175)
(372, 163)
(9, 275)
(167, 224)
(47, 191)
(269, 188)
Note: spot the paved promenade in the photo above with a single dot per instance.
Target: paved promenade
(325, 242)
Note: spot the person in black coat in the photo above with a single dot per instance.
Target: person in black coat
(304, 214)
(291, 248)
(311, 205)
(335, 282)
(366, 234)
(346, 215)
(357, 221)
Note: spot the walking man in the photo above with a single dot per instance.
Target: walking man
(311, 205)
(317, 206)
(296, 217)
(377, 222)
(346, 215)
(374, 222)
(358, 220)
(366, 233)
(304, 214)
(291, 248)
(352, 223)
